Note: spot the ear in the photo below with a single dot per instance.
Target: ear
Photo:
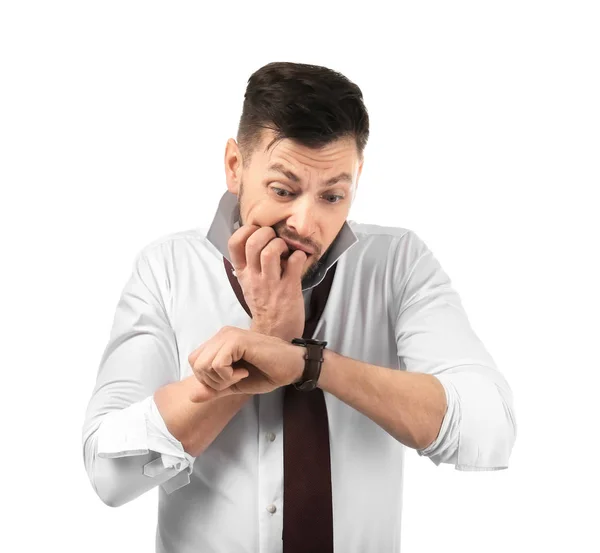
(233, 166)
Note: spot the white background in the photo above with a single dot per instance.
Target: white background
(485, 140)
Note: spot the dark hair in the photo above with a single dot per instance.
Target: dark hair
(310, 104)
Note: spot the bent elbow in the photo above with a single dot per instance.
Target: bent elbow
(104, 474)
(488, 434)
(482, 424)
(106, 481)
(503, 428)
(109, 493)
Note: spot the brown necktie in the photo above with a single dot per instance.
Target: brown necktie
(307, 499)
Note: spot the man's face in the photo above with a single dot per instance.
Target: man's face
(303, 210)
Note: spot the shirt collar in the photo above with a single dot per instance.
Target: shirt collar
(226, 222)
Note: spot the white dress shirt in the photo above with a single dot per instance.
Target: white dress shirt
(391, 304)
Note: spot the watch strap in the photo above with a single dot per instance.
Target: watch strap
(312, 365)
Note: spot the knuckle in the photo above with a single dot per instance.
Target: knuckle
(254, 237)
(274, 249)
(262, 234)
(227, 330)
(267, 253)
(266, 231)
(197, 370)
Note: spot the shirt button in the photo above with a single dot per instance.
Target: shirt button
(270, 436)
(271, 508)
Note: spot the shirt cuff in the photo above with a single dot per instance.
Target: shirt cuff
(138, 429)
(483, 426)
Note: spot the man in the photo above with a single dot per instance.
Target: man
(259, 441)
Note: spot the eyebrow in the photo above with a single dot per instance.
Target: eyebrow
(280, 168)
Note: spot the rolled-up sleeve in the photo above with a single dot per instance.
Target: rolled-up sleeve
(139, 429)
(434, 336)
(122, 420)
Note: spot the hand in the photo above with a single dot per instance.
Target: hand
(238, 361)
(274, 295)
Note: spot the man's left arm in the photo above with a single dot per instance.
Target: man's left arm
(450, 402)
(409, 406)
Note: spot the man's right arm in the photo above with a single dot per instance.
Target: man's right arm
(140, 429)
(122, 478)
(195, 425)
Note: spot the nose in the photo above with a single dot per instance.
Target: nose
(302, 223)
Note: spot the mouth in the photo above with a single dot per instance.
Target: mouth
(293, 246)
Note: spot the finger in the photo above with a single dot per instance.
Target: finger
(222, 373)
(224, 359)
(200, 350)
(206, 354)
(220, 352)
(255, 245)
(210, 377)
(209, 381)
(294, 266)
(270, 258)
(235, 382)
(202, 393)
(237, 245)
(235, 375)
(194, 355)
(221, 386)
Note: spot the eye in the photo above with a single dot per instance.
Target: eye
(288, 194)
(340, 198)
(281, 190)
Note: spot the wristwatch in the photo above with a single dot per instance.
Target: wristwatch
(313, 363)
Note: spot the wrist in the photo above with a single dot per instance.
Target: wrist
(325, 377)
(273, 331)
(190, 383)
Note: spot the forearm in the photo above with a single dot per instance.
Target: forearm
(409, 406)
(195, 425)
(122, 478)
